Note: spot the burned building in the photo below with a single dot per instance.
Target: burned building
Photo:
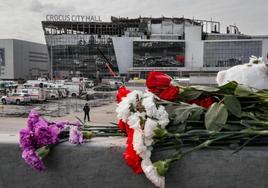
(178, 46)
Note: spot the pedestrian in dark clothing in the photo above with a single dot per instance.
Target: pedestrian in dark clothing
(86, 110)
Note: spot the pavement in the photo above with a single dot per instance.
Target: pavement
(98, 115)
(101, 114)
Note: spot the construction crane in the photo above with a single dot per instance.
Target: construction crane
(107, 64)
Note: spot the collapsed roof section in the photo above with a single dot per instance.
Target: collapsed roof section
(144, 27)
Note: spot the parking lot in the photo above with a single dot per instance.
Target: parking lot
(54, 108)
(61, 107)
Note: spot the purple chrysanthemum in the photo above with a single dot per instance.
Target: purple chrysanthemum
(32, 159)
(76, 137)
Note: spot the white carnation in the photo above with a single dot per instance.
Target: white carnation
(138, 143)
(134, 119)
(146, 154)
(151, 173)
(134, 96)
(162, 116)
(149, 105)
(150, 126)
(122, 110)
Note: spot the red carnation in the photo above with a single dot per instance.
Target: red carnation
(205, 102)
(157, 81)
(169, 94)
(122, 92)
(122, 126)
(131, 157)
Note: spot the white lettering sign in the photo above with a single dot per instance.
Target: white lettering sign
(72, 18)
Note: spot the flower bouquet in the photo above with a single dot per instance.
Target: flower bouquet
(41, 135)
(184, 119)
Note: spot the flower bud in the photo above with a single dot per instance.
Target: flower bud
(160, 133)
(43, 151)
(162, 167)
(87, 134)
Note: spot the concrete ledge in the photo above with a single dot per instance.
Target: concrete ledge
(100, 163)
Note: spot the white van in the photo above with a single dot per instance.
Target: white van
(36, 94)
(74, 89)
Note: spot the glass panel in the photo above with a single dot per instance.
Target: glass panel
(77, 55)
(158, 54)
(230, 53)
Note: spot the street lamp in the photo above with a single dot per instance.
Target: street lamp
(51, 63)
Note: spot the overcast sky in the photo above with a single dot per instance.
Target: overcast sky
(21, 19)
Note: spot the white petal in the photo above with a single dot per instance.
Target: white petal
(138, 143)
(149, 105)
(150, 126)
(151, 173)
(162, 116)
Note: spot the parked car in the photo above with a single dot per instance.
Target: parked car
(99, 92)
(74, 89)
(116, 83)
(62, 92)
(36, 94)
(53, 93)
(89, 84)
(16, 98)
(104, 88)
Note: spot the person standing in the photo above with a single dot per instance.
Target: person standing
(86, 110)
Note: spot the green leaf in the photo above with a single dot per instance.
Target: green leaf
(250, 115)
(170, 109)
(196, 115)
(175, 128)
(205, 88)
(190, 94)
(230, 86)
(242, 90)
(234, 127)
(183, 112)
(233, 105)
(216, 117)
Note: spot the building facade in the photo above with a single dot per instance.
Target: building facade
(133, 47)
(23, 60)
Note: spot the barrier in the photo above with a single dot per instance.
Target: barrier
(99, 163)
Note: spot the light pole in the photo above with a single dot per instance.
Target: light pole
(51, 63)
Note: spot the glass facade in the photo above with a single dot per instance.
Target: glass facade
(230, 53)
(73, 46)
(77, 55)
(2, 57)
(158, 53)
